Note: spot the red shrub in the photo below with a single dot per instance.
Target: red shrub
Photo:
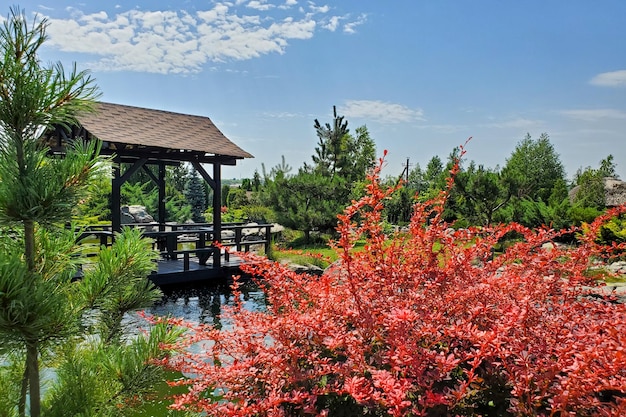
(427, 322)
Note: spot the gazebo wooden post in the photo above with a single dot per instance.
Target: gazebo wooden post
(216, 185)
(161, 185)
(116, 196)
(116, 188)
(217, 211)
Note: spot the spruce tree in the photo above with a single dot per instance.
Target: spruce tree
(195, 196)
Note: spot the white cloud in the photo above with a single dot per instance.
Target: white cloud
(332, 23)
(380, 111)
(593, 115)
(259, 5)
(282, 115)
(517, 123)
(318, 9)
(350, 26)
(610, 79)
(181, 42)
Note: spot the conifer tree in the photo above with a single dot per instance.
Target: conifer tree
(44, 311)
(195, 196)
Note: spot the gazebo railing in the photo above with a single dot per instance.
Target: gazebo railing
(186, 241)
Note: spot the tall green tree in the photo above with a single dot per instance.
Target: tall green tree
(195, 196)
(42, 307)
(35, 190)
(311, 199)
(305, 201)
(485, 190)
(534, 168)
(589, 185)
(331, 151)
(608, 167)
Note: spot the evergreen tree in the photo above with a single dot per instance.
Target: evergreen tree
(534, 168)
(195, 196)
(331, 151)
(311, 199)
(485, 191)
(256, 181)
(43, 309)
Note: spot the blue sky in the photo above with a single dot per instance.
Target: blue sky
(422, 75)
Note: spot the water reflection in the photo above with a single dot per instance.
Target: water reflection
(203, 303)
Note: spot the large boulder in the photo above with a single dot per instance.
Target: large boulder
(135, 214)
(614, 192)
(252, 231)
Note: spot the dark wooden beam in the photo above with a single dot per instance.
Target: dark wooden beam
(133, 168)
(149, 173)
(204, 174)
(161, 154)
(116, 196)
(217, 212)
(161, 185)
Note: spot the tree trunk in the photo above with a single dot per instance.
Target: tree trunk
(32, 365)
(21, 406)
(29, 245)
(32, 353)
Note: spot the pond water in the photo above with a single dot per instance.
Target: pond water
(202, 303)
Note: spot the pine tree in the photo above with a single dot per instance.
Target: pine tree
(43, 309)
(195, 195)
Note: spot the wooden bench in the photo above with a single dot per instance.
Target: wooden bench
(203, 255)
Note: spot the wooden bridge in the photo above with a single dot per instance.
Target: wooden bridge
(188, 253)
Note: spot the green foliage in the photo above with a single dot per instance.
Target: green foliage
(56, 310)
(399, 206)
(259, 214)
(96, 206)
(537, 213)
(310, 200)
(117, 283)
(195, 196)
(225, 192)
(614, 231)
(434, 175)
(140, 194)
(303, 201)
(9, 390)
(332, 150)
(140, 190)
(580, 214)
(256, 181)
(43, 309)
(237, 198)
(608, 167)
(589, 191)
(37, 188)
(177, 209)
(108, 380)
(534, 168)
(485, 191)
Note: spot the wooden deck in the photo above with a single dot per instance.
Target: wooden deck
(173, 272)
(189, 254)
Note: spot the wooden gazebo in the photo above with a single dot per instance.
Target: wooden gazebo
(142, 137)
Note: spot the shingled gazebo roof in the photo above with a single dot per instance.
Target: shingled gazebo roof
(160, 134)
